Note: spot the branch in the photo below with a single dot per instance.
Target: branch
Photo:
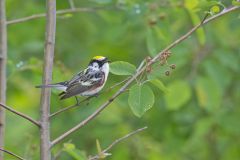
(10, 153)
(3, 66)
(105, 151)
(86, 99)
(70, 107)
(47, 78)
(140, 70)
(20, 114)
(225, 11)
(59, 12)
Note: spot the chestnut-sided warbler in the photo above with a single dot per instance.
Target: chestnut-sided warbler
(87, 82)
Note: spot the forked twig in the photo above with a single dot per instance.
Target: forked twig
(105, 151)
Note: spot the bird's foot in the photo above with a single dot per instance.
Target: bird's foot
(77, 100)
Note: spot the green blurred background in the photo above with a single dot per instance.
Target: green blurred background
(198, 120)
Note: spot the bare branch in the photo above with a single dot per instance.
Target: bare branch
(123, 138)
(225, 11)
(20, 114)
(86, 99)
(125, 86)
(59, 12)
(105, 151)
(47, 78)
(12, 154)
(3, 61)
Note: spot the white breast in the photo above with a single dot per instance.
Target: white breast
(105, 69)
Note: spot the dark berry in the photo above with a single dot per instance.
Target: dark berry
(167, 73)
(173, 66)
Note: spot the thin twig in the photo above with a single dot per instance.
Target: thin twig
(70, 107)
(86, 99)
(12, 154)
(71, 3)
(138, 69)
(225, 11)
(123, 138)
(117, 84)
(20, 114)
(140, 66)
(105, 151)
(59, 12)
(124, 87)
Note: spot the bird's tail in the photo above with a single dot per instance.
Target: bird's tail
(55, 85)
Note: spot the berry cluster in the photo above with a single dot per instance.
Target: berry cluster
(163, 60)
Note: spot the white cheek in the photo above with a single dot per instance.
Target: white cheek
(105, 69)
(95, 66)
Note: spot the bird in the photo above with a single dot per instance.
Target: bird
(88, 82)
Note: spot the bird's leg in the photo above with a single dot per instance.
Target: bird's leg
(77, 100)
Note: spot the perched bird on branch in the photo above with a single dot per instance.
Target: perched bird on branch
(87, 82)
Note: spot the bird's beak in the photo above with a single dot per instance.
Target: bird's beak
(108, 61)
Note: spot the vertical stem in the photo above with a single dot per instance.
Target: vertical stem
(3, 59)
(47, 77)
(71, 3)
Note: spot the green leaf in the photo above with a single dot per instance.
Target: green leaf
(191, 4)
(67, 15)
(141, 99)
(122, 68)
(179, 94)
(208, 94)
(69, 146)
(215, 9)
(207, 4)
(159, 84)
(73, 152)
(99, 149)
(235, 3)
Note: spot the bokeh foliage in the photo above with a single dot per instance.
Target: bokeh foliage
(196, 110)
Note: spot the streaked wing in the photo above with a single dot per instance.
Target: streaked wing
(77, 77)
(84, 83)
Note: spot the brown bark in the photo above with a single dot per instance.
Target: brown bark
(3, 59)
(47, 77)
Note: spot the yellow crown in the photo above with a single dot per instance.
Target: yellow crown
(98, 57)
